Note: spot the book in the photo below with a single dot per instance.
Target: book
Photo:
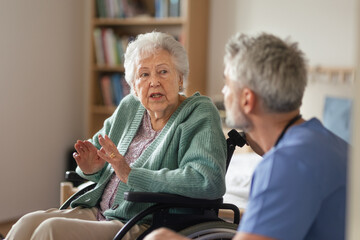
(174, 8)
(109, 46)
(117, 90)
(106, 90)
(101, 8)
(120, 51)
(161, 8)
(99, 53)
(119, 9)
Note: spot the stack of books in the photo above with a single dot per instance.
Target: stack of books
(109, 47)
(167, 8)
(137, 8)
(120, 8)
(113, 88)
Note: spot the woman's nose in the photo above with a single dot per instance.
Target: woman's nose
(154, 82)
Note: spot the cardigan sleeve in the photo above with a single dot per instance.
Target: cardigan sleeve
(116, 121)
(200, 153)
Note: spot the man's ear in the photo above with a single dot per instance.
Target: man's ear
(247, 99)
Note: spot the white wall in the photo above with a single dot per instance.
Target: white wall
(353, 230)
(328, 33)
(325, 31)
(41, 99)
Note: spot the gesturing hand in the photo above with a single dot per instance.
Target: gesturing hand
(86, 157)
(110, 153)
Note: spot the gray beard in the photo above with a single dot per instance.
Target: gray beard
(241, 122)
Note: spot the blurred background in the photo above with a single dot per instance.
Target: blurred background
(47, 76)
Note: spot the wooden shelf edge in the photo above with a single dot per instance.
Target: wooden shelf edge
(107, 68)
(138, 21)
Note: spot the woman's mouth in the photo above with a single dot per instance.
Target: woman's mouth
(156, 95)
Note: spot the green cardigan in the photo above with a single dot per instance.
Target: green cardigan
(187, 158)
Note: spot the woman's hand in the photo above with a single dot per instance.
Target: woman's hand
(86, 157)
(110, 153)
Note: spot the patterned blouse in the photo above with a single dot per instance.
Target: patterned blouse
(143, 138)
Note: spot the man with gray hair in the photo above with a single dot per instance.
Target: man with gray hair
(298, 190)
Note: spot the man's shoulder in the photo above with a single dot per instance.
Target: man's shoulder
(312, 137)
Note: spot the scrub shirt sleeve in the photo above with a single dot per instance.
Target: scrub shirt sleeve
(284, 199)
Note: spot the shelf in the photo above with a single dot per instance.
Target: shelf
(139, 21)
(191, 29)
(106, 68)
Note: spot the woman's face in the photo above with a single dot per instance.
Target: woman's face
(157, 83)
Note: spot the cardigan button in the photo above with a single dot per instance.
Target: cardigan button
(115, 206)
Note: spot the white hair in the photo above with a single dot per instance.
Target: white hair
(147, 44)
(274, 69)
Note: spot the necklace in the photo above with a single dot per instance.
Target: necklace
(291, 122)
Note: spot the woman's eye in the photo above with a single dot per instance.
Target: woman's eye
(142, 75)
(163, 71)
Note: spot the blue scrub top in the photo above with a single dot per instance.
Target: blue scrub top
(299, 189)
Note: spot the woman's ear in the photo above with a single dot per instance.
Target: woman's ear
(181, 82)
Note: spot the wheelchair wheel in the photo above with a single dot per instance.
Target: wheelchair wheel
(210, 231)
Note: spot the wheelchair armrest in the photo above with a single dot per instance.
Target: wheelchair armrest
(72, 176)
(150, 197)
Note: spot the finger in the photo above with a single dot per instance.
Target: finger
(110, 142)
(105, 156)
(104, 147)
(102, 154)
(106, 143)
(85, 146)
(90, 146)
(78, 147)
(77, 157)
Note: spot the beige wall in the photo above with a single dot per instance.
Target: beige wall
(41, 99)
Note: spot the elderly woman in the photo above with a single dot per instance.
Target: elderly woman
(157, 140)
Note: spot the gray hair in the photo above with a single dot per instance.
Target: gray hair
(274, 69)
(147, 44)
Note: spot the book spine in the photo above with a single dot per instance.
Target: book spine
(120, 51)
(101, 8)
(174, 8)
(104, 45)
(161, 8)
(110, 50)
(117, 88)
(121, 13)
(106, 90)
(99, 52)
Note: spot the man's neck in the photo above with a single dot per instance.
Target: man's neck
(269, 126)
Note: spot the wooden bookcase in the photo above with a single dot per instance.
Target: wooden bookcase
(191, 26)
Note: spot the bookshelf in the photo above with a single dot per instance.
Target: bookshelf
(191, 27)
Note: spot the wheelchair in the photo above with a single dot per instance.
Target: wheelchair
(172, 211)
